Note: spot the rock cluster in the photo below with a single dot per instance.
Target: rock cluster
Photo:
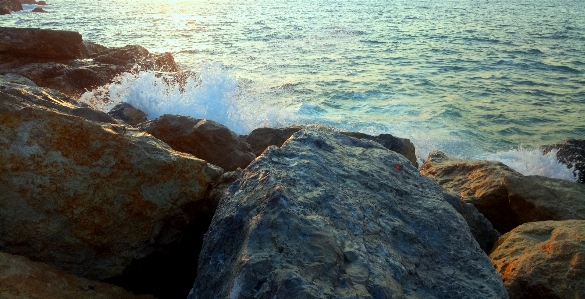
(302, 211)
(571, 153)
(60, 60)
(537, 257)
(331, 216)
(8, 6)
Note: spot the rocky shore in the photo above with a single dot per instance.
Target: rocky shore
(113, 205)
(9, 6)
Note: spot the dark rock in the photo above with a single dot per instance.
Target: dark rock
(8, 6)
(128, 114)
(261, 138)
(204, 139)
(28, 1)
(504, 196)
(330, 216)
(134, 54)
(41, 3)
(23, 278)
(88, 197)
(15, 78)
(402, 146)
(89, 49)
(543, 260)
(38, 9)
(481, 228)
(40, 43)
(571, 153)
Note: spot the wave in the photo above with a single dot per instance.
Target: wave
(214, 93)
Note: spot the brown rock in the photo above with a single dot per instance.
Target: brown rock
(543, 260)
(204, 139)
(87, 197)
(38, 9)
(8, 6)
(262, 138)
(22, 278)
(28, 1)
(40, 43)
(504, 196)
(128, 114)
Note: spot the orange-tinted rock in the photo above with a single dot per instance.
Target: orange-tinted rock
(88, 197)
(506, 197)
(203, 138)
(543, 260)
(22, 278)
(128, 114)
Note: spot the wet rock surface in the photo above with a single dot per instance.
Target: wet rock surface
(40, 43)
(506, 197)
(22, 278)
(331, 216)
(85, 196)
(128, 114)
(543, 260)
(571, 153)
(204, 139)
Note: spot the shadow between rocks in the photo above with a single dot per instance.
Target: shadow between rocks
(168, 273)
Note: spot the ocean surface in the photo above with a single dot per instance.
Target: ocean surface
(476, 79)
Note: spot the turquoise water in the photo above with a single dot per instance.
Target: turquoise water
(475, 79)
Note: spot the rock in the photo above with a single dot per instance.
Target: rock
(88, 197)
(262, 138)
(128, 114)
(330, 216)
(571, 153)
(202, 138)
(481, 228)
(40, 43)
(41, 3)
(47, 98)
(23, 278)
(402, 146)
(543, 260)
(60, 60)
(504, 196)
(8, 6)
(14, 78)
(28, 1)
(38, 9)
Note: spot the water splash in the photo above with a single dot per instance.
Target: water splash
(531, 161)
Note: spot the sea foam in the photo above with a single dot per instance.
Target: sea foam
(213, 93)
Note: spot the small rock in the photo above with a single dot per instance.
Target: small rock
(543, 260)
(128, 114)
(571, 153)
(38, 9)
(202, 138)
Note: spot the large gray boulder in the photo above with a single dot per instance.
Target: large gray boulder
(506, 198)
(331, 216)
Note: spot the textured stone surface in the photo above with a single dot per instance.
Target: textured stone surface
(203, 138)
(571, 153)
(8, 6)
(84, 196)
(21, 278)
(55, 64)
(330, 216)
(262, 138)
(505, 197)
(40, 43)
(543, 260)
(481, 228)
(128, 114)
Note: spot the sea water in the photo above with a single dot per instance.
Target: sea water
(483, 79)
